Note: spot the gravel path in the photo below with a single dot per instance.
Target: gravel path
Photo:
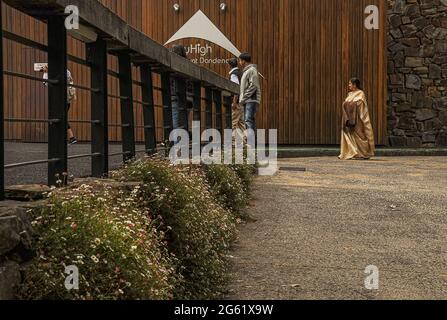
(317, 231)
(24, 152)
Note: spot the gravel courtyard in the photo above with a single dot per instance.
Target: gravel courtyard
(317, 231)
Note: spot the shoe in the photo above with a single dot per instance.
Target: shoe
(72, 141)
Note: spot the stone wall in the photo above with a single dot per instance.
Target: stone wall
(417, 73)
(15, 245)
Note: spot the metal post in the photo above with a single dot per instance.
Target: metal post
(208, 108)
(97, 57)
(217, 96)
(127, 114)
(228, 112)
(167, 104)
(57, 99)
(197, 91)
(2, 142)
(147, 90)
(182, 102)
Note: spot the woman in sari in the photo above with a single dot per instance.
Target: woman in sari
(357, 139)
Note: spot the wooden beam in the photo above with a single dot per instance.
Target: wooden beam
(123, 37)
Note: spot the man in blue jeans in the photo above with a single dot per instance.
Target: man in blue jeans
(250, 96)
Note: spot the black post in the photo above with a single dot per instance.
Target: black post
(147, 91)
(57, 99)
(218, 103)
(2, 142)
(228, 112)
(97, 57)
(208, 108)
(127, 114)
(167, 104)
(197, 91)
(182, 104)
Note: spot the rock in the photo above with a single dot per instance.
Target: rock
(443, 118)
(398, 141)
(399, 133)
(413, 11)
(409, 30)
(9, 234)
(413, 81)
(411, 42)
(440, 47)
(27, 192)
(414, 62)
(399, 6)
(421, 22)
(404, 107)
(9, 280)
(398, 97)
(424, 114)
(427, 51)
(429, 138)
(440, 59)
(442, 140)
(414, 142)
(15, 228)
(435, 71)
(395, 20)
(412, 52)
(440, 33)
(420, 70)
(406, 123)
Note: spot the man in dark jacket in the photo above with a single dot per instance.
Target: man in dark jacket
(250, 96)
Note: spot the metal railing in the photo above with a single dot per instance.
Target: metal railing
(131, 49)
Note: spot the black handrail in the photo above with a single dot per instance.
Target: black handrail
(159, 61)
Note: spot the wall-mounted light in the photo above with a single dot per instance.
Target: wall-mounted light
(176, 7)
(223, 6)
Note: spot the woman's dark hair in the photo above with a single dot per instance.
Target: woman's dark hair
(232, 63)
(356, 81)
(180, 50)
(245, 57)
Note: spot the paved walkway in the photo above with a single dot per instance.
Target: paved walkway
(317, 231)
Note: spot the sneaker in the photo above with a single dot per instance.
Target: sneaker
(72, 141)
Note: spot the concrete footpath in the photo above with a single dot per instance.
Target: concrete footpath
(317, 231)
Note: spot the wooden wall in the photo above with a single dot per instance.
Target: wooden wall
(306, 49)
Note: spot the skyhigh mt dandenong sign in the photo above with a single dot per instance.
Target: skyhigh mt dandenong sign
(201, 27)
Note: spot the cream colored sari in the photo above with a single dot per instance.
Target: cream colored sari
(358, 142)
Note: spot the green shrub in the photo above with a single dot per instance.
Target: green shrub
(102, 231)
(228, 188)
(246, 172)
(199, 230)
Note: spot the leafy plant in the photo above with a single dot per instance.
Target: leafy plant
(228, 188)
(198, 229)
(109, 238)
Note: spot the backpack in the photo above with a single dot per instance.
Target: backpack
(238, 73)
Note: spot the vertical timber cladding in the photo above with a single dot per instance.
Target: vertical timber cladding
(306, 49)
